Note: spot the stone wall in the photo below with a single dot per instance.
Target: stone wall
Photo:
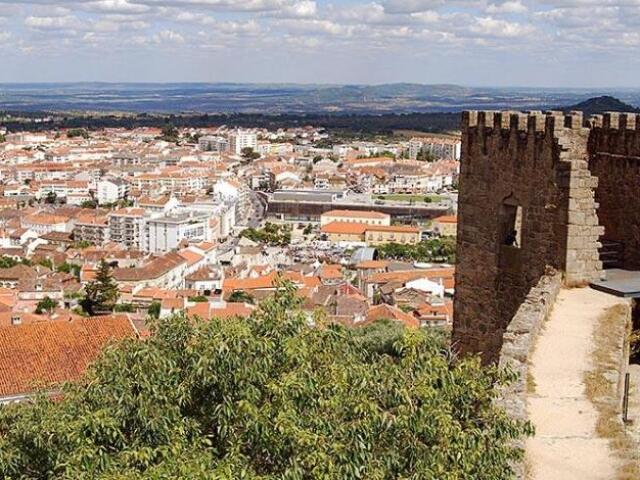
(520, 338)
(614, 157)
(535, 165)
(518, 343)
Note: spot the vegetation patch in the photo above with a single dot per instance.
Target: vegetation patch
(268, 397)
(602, 392)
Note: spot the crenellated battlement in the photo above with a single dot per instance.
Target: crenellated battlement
(615, 121)
(533, 121)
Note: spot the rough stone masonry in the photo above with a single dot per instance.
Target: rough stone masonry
(528, 191)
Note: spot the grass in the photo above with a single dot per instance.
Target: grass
(405, 197)
(602, 392)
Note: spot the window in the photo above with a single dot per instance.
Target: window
(511, 222)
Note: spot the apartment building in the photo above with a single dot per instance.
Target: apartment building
(127, 227)
(345, 232)
(166, 232)
(355, 216)
(62, 189)
(42, 223)
(209, 143)
(242, 139)
(92, 228)
(111, 190)
(442, 148)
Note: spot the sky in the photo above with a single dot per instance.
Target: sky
(551, 43)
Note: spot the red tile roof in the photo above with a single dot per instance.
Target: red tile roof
(44, 354)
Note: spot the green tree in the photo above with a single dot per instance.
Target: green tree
(7, 262)
(46, 305)
(46, 262)
(124, 307)
(249, 154)
(89, 204)
(271, 234)
(437, 250)
(77, 132)
(70, 268)
(312, 403)
(102, 293)
(198, 299)
(81, 244)
(154, 309)
(51, 198)
(240, 296)
(170, 133)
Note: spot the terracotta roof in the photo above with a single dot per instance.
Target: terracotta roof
(393, 228)
(190, 256)
(446, 219)
(43, 354)
(387, 312)
(371, 264)
(21, 272)
(356, 214)
(408, 275)
(345, 228)
(154, 269)
(268, 281)
(207, 310)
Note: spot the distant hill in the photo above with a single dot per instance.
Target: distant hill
(602, 104)
(291, 99)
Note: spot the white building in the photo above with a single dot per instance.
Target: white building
(440, 147)
(127, 227)
(165, 233)
(110, 190)
(210, 143)
(242, 139)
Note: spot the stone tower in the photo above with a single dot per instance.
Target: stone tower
(526, 204)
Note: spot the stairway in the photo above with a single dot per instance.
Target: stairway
(611, 254)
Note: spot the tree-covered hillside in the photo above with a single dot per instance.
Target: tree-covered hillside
(268, 398)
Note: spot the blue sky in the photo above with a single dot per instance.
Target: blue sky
(556, 43)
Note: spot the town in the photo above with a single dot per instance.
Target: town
(135, 224)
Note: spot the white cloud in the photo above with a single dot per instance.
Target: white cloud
(169, 36)
(507, 7)
(491, 27)
(53, 23)
(305, 8)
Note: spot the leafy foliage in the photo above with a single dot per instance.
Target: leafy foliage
(240, 296)
(198, 299)
(89, 204)
(77, 132)
(154, 309)
(102, 293)
(267, 398)
(271, 234)
(170, 133)
(51, 198)
(433, 250)
(124, 307)
(46, 305)
(8, 262)
(70, 268)
(249, 154)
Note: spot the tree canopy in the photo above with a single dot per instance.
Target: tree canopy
(102, 293)
(272, 234)
(432, 250)
(268, 397)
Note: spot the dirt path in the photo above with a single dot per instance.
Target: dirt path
(566, 446)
